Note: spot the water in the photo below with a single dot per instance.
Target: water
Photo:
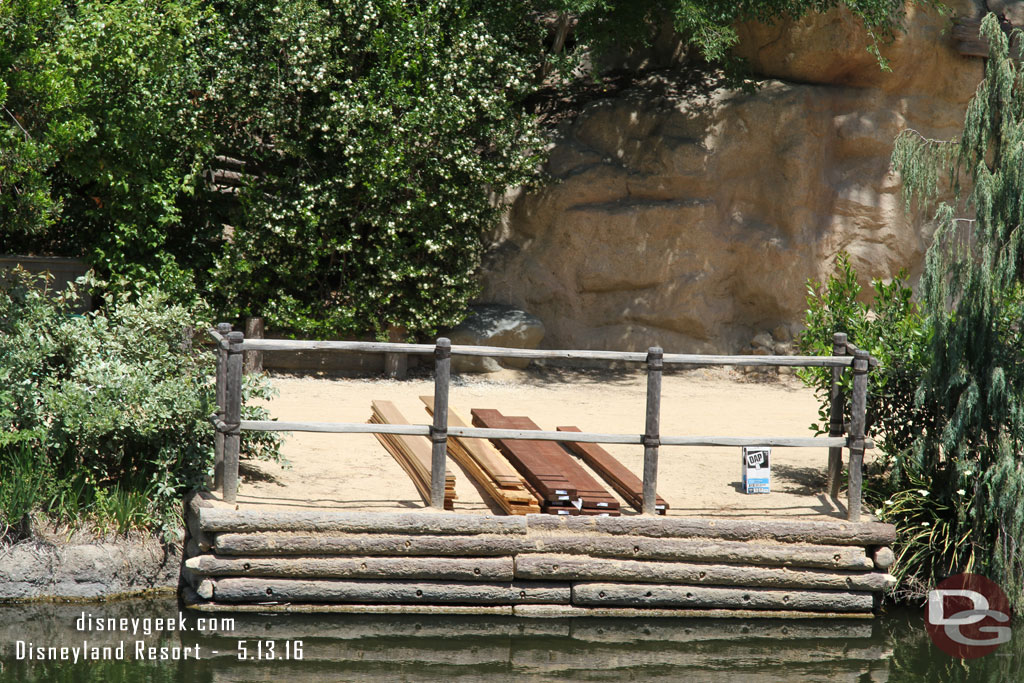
(454, 649)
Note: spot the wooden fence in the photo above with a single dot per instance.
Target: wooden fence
(229, 423)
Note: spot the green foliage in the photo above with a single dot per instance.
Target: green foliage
(972, 299)
(375, 139)
(113, 407)
(932, 539)
(103, 142)
(710, 25)
(890, 328)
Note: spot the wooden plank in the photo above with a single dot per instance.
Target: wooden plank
(432, 568)
(292, 543)
(653, 595)
(413, 453)
(582, 568)
(419, 522)
(618, 476)
(543, 476)
(589, 493)
(486, 456)
(419, 592)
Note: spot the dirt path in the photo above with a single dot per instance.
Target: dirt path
(353, 471)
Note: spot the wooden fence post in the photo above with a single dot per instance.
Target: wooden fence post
(253, 360)
(396, 365)
(224, 329)
(233, 415)
(837, 417)
(652, 438)
(439, 431)
(858, 420)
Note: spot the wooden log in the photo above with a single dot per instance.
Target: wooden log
(338, 590)
(577, 568)
(291, 543)
(433, 568)
(830, 533)
(232, 415)
(883, 557)
(858, 414)
(704, 597)
(693, 550)
(203, 540)
(652, 428)
(617, 475)
(348, 521)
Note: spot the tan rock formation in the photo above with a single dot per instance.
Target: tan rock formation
(691, 215)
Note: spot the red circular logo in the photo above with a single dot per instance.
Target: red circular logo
(968, 616)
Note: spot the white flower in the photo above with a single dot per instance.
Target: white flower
(960, 492)
(922, 492)
(878, 512)
(925, 524)
(968, 473)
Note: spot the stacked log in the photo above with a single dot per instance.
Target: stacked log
(486, 466)
(413, 453)
(565, 487)
(535, 565)
(618, 476)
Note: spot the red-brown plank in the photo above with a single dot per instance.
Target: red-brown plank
(618, 476)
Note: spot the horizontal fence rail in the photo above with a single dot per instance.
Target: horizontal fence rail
(228, 423)
(537, 354)
(539, 435)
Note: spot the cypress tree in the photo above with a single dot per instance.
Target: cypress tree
(972, 293)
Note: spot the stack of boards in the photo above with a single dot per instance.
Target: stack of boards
(521, 476)
(488, 468)
(413, 453)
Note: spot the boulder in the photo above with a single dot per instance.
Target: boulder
(495, 325)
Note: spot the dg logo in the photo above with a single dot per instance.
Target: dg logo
(968, 616)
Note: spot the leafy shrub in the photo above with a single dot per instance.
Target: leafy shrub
(113, 404)
(888, 327)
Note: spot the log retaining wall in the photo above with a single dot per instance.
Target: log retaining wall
(533, 565)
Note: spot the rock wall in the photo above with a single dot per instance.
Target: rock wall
(691, 215)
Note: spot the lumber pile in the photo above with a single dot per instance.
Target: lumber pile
(561, 484)
(413, 453)
(486, 466)
(618, 476)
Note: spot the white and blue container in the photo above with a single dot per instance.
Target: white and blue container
(757, 471)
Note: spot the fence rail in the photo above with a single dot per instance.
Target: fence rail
(229, 425)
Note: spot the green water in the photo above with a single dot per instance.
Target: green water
(279, 648)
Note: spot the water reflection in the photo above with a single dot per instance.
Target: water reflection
(460, 649)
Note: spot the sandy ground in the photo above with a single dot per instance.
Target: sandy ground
(353, 471)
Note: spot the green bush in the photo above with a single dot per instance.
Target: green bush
(890, 328)
(113, 405)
